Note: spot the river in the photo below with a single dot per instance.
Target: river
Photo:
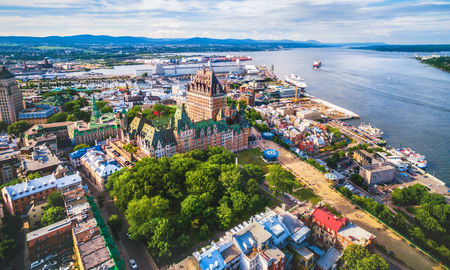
(408, 100)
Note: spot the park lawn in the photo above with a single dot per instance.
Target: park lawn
(307, 194)
(252, 156)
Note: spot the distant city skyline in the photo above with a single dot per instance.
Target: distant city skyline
(390, 21)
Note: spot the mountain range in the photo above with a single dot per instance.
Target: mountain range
(195, 41)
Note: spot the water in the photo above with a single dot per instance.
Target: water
(408, 100)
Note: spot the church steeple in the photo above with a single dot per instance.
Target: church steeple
(96, 114)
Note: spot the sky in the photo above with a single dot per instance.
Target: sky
(390, 21)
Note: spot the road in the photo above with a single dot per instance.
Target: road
(412, 257)
(127, 248)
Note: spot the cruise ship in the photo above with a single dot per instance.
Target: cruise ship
(413, 157)
(317, 64)
(371, 130)
(295, 80)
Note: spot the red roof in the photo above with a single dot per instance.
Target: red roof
(323, 216)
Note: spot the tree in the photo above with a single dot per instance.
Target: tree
(239, 201)
(18, 128)
(52, 215)
(80, 146)
(7, 250)
(280, 180)
(133, 112)
(3, 126)
(357, 179)
(192, 207)
(34, 175)
(160, 241)
(12, 225)
(58, 117)
(100, 199)
(252, 171)
(115, 223)
(357, 257)
(55, 199)
(204, 231)
(225, 215)
(130, 148)
(106, 109)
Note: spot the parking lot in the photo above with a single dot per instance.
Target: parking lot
(62, 260)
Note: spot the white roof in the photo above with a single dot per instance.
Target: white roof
(40, 184)
(100, 163)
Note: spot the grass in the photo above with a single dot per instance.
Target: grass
(252, 156)
(307, 194)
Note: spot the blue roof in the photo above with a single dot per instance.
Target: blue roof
(80, 152)
(270, 153)
(278, 230)
(245, 241)
(211, 259)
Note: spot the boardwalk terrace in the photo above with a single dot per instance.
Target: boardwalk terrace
(205, 96)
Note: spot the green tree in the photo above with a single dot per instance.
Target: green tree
(115, 223)
(357, 257)
(192, 207)
(52, 215)
(240, 202)
(204, 231)
(225, 215)
(130, 148)
(280, 180)
(106, 109)
(161, 240)
(34, 175)
(3, 126)
(58, 117)
(100, 199)
(357, 179)
(55, 199)
(133, 112)
(7, 250)
(18, 128)
(80, 146)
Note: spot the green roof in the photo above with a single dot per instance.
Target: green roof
(5, 74)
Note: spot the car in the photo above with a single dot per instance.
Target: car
(66, 260)
(133, 264)
(51, 256)
(49, 265)
(36, 264)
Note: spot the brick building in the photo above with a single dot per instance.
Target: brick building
(205, 96)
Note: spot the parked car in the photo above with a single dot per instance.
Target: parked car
(51, 256)
(133, 264)
(49, 265)
(36, 264)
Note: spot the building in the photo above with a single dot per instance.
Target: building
(205, 96)
(329, 260)
(9, 163)
(377, 173)
(10, 97)
(100, 127)
(37, 114)
(254, 244)
(17, 198)
(309, 114)
(41, 160)
(47, 134)
(363, 157)
(181, 135)
(75, 156)
(249, 99)
(99, 167)
(48, 239)
(36, 212)
(331, 231)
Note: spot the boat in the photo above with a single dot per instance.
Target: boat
(296, 81)
(413, 157)
(317, 64)
(371, 130)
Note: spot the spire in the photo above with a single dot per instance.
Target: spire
(95, 111)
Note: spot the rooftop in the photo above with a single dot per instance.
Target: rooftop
(356, 234)
(305, 253)
(378, 167)
(329, 259)
(28, 188)
(323, 216)
(65, 223)
(95, 252)
(41, 157)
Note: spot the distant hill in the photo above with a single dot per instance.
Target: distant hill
(407, 48)
(130, 40)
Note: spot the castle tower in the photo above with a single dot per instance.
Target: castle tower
(205, 96)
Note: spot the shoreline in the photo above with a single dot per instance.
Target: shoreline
(348, 113)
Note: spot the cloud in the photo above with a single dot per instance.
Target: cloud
(325, 20)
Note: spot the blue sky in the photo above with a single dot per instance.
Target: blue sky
(396, 22)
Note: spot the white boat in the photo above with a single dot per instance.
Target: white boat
(371, 130)
(296, 80)
(317, 64)
(413, 157)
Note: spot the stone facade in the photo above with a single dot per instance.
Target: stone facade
(10, 97)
